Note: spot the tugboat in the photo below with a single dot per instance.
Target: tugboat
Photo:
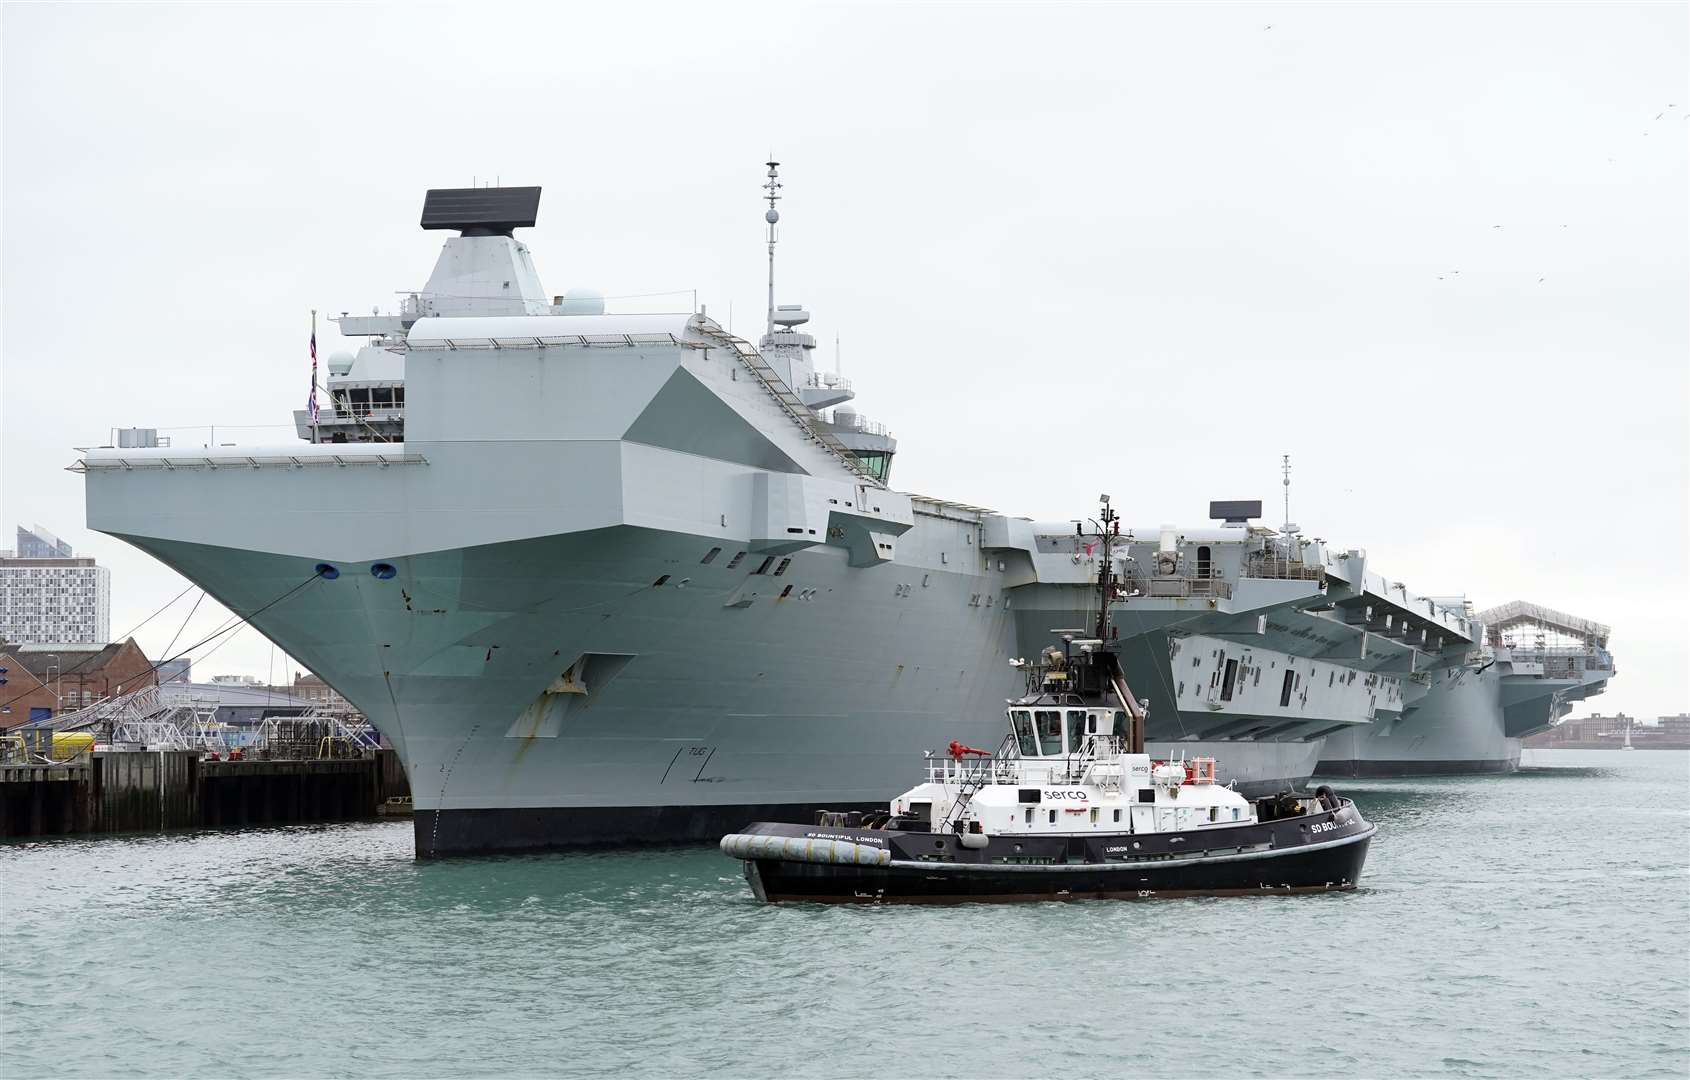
(1068, 807)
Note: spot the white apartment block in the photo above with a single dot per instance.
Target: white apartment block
(54, 600)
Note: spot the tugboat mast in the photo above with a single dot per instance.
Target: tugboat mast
(1110, 529)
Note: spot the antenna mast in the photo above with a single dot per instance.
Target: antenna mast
(1285, 472)
(772, 186)
(1108, 530)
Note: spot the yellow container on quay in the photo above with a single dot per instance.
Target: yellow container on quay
(69, 744)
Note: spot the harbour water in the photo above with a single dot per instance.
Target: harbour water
(1526, 925)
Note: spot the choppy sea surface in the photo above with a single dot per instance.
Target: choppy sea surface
(1523, 926)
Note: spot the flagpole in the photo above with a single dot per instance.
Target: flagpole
(313, 375)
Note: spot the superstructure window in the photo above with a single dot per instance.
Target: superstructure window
(1023, 724)
(1050, 733)
(1076, 730)
(878, 464)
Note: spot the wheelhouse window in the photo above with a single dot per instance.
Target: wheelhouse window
(1022, 722)
(1076, 730)
(1050, 732)
(1120, 724)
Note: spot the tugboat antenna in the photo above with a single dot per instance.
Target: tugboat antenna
(772, 186)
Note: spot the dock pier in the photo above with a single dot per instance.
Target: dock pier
(147, 791)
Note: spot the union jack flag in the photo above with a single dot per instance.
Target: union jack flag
(311, 404)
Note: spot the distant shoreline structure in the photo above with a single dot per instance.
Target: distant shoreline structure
(1599, 732)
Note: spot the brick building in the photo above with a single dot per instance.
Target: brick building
(1598, 732)
(315, 690)
(45, 680)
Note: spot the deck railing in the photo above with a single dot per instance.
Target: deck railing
(1180, 585)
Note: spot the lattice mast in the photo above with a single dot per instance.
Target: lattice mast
(772, 186)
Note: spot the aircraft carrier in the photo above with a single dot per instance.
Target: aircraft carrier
(605, 577)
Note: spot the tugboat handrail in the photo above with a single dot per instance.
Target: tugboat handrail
(1005, 766)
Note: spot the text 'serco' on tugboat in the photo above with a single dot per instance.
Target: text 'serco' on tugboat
(1069, 806)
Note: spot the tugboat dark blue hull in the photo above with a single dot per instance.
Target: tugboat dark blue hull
(1320, 852)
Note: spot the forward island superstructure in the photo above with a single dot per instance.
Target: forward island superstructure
(603, 577)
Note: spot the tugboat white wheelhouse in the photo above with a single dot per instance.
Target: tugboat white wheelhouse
(612, 578)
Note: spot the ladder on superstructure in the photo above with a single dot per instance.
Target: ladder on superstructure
(799, 413)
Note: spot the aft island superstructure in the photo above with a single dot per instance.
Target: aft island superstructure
(605, 577)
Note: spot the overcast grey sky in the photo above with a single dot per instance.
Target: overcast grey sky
(1068, 249)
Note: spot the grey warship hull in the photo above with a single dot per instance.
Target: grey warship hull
(690, 709)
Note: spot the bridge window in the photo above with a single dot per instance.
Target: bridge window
(1076, 730)
(1022, 722)
(878, 464)
(1050, 733)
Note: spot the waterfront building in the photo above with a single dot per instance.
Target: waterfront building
(38, 543)
(48, 594)
(236, 701)
(315, 690)
(44, 679)
(1599, 732)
